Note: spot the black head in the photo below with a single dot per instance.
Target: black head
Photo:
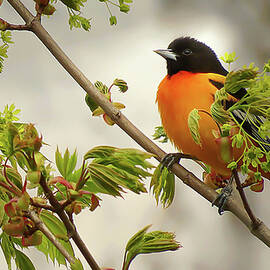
(189, 54)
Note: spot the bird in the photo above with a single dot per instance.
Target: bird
(194, 74)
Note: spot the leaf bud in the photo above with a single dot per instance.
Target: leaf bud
(33, 240)
(33, 176)
(3, 24)
(15, 227)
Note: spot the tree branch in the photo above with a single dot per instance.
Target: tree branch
(72, 232)
(254, 220)
(41, 226)
(262, 232)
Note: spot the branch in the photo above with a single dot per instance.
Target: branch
(18, 27)
(262, 232)
(41, 226)
(254, 220)
(72, 232)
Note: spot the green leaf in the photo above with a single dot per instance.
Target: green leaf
(2, 212)
(59, 162)
(218, 113)
(7, 248)
(54, 224)
(163, 186)
(99, 152)
(229, 57)
(160, 134)
(121, 84)
(193, 124)
(22, 261)
(6, 39)
(242, 78)
(77, 21)
(232, 165)
(106, 179)
(77, 265)
(73, 4)
(113, 169)
(124, 8)
(113, 20)
(266, 67)
(14, 176)
(152, 242)
(137, 237)
(90, 103)
(237, 140)
(59, 230)
(67, 163)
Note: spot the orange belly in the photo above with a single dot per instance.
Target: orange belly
(177, 96)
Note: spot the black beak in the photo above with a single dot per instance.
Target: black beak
(167, 54)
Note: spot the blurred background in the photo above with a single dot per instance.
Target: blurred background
(49, 98)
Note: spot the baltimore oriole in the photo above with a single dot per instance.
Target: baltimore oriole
(194, 75)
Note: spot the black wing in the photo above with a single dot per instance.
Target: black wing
(251, 123)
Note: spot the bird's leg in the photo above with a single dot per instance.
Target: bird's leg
(171, 158)
(222, 198)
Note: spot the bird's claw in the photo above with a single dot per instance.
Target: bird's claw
(222, 198)
(169, 159)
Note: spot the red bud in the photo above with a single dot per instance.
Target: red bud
(15, 227)
(94, 202)
(33, 240)
(108, 120)
(225, 146)
(11, 208)
(60, 180)
(24, 201)
(3, 24)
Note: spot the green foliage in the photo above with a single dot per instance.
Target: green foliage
(254, 104)
(123, 5)
(145, 243)
(105, 169)
(8, 129)
(243, 78)
(229, 58)
(22, 261)
(113, 169)
(160, 134)
(106, 91)
(65, 164)
(77, 265)
(219, 114)
(74, 4)
(193, 124)
(58, 229)
(77, 21)
(8, 246)
(163, 186)
(6, 40)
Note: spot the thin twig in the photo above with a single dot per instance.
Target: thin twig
(13, 186)
(18, 27)
(254, 220)
(42, 206)
(42, 227)
(262, 231)
(10, 189)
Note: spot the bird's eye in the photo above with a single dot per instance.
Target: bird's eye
(187, 52)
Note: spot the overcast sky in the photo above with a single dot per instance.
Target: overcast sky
(49, 98)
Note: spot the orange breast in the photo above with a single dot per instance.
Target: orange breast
(177, 96)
